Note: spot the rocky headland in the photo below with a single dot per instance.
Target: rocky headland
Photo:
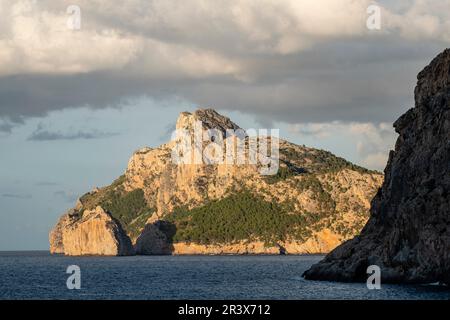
(408, 233)
(313, 203)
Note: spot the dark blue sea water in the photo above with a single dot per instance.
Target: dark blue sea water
(38, 275)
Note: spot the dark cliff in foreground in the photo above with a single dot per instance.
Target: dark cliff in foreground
(408, 233)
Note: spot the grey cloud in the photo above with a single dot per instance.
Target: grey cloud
(321, 85)
(6, 126)
(17, 196)
(359, 78)
(41, 134)
(167, 134)
(309, 131)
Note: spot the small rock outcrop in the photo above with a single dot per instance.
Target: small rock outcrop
(94, 232)
(154, 241)
(209, 118)
(408, 233)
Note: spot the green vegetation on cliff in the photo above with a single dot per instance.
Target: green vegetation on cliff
(317, 161)
(297, 160)
(129, 208)
(241, 216)
(283, 173)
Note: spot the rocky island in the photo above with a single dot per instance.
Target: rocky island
(408, 233)
(313, 203)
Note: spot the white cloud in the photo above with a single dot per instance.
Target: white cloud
(198, 38)
(285, 27)
(376, 160)
(37, 40)
(317, 130)
(423, 19)
(164, 60)
(372, 142)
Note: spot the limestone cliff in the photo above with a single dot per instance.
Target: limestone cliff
(95, 232)
(314, 202)
(408, 234)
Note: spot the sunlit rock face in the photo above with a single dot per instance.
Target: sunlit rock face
(94, 233)
(408, 233)
(313, 203)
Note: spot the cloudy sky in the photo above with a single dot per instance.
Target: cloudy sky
(76, 100)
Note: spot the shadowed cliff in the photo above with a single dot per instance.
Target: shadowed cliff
(408, 233)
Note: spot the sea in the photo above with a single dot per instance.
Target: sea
(39, 275)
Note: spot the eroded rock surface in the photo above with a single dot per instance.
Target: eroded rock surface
(94, 232)
(408, 233)
(315, 201)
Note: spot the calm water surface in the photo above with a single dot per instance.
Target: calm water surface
(38, 275)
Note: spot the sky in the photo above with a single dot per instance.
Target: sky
(83, 84)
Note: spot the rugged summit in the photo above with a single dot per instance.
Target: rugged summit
(408, 233)
(314, 202)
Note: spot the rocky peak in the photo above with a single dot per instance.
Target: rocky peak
(318, 198)
(433, 79)
(210, 119)
(433, 83)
